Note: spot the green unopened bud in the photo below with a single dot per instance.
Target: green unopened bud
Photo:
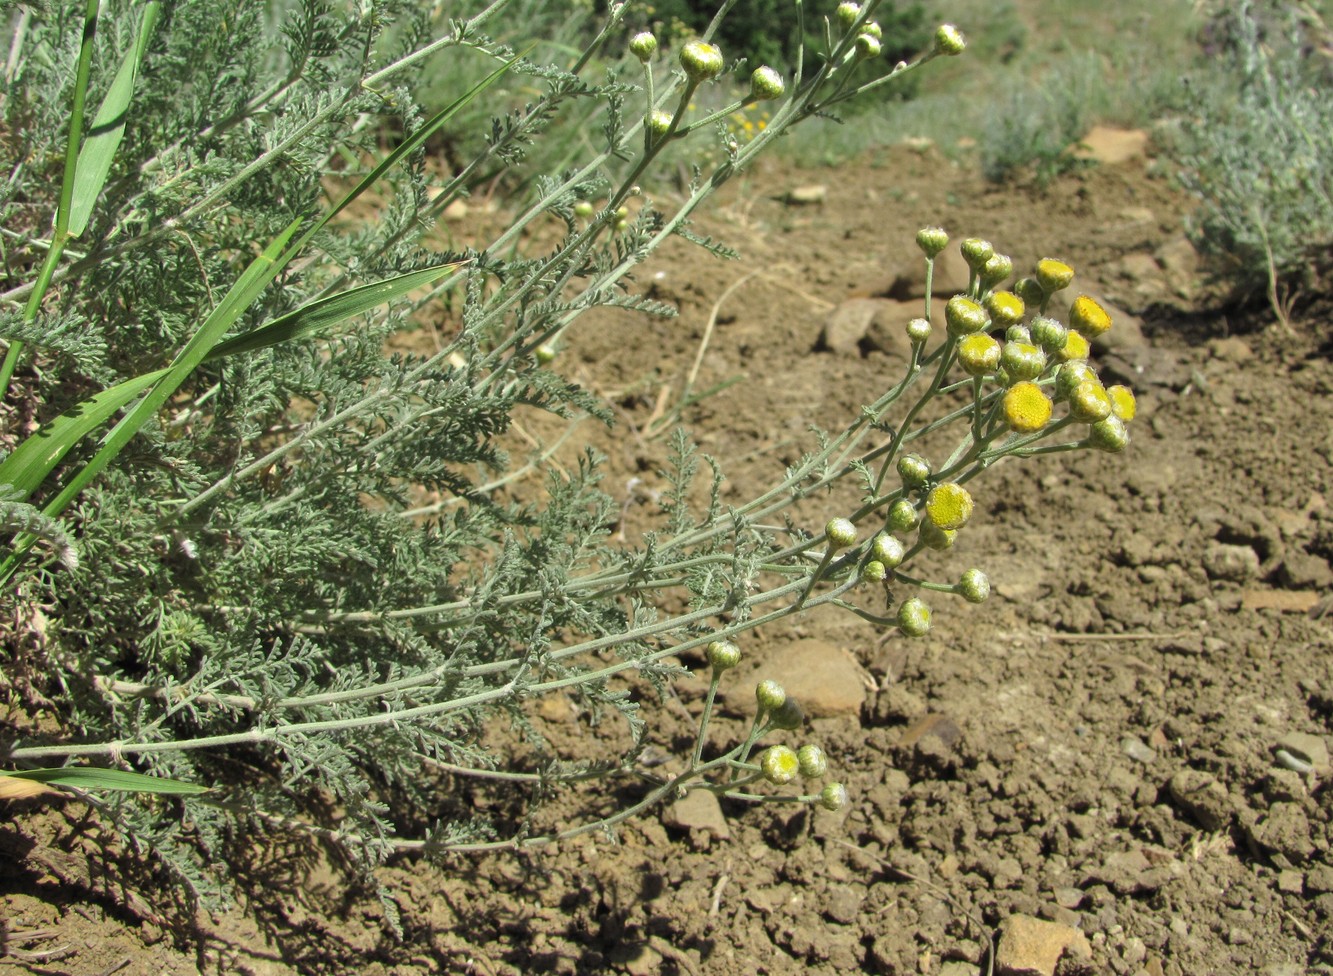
(933, 537)
(833, 797)
(770, 695)
(887, 550)
(995, 270)
(902, 516)
(847, 13)
(701, 61)
(868, 46)
(840, 533)
(1018, 333)
(1048, 333)
(723, 655)
(658, 123)
(914, 470)
(979, 354)
(812, 760)
(949, 40)
(643, 46)
(766, 83)
(620, 226)
(872, 28)
(913, 617)
(1070, 376)
(1029, 289)
(1089, 402)
(787, 716)
(1109, 434)
(965, 316)
(932, 240)
(1022, 361)
(544, 353)
(918, 331)
(1053, 275)
(973, 586)
(949, 506)
(1005, 308)
(779, 765)
(976, 253)
(584, 209)
(874, 571)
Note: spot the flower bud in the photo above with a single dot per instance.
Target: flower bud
(701, 61)
(1088, 403)
(770, 695)
(779, 765)
(1075, 348)
(874, 571)
(933, 537)
(1048, 333)
(872, 28)
(1026, 407)
(887, 550)
(766, 83)
(914, 470)
(949, 506)
(1088, 317)
(976, 253)
(1029, 290)
(840, 533)
(995, 270)
(901, 516)
(833, 797)
(1070, 375)
(658, 122)
(1123, 404)
(918, 331)
(914, 617)
(1006, 309)
(643, 46)
(1108, 435)
(1022, 361)
(932, 240)
(723, 655)
(812, 760)
(868, 46)
(1053, 275)
(847, 13)
(979, 354)
(584, 209)
(949, 40)
(787, 716)
(965, 316)
(973, 586)
(544, 353)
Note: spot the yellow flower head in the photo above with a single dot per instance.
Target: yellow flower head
(1123, 404)
(1005, 308)
(1076, 348)
(1053, 275)
(1027, 408)
(949, 506)
(979, 354)
(1088, 317)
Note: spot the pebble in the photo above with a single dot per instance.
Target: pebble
(1286, 830)
(808, 194)
(1136, 749)
(1290, 882)
(698, 810)
(846, 326)
(1200, 796)
(1222, 561)
(1310, 749)
(842, 905)
(822, 676)
(1031, 947)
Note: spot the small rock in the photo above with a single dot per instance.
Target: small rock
(842, 905)
(1130, 873)
(1070, 898)
(1201, 797)
(1136, 749)
(1222, 561)
(1111, 146)
(1125, 334)
(1283, 601)
(1031, 947)
(1286, 830)
(931, 740)
(823, 677)
(1231, 349)
(1302, 570)
(1290, 882)
(1319, 879)
(698, 810)
(1179, 262)
(1134, 951)
(808, 194)
(846, 325)
(887, 332)
(1310, 749)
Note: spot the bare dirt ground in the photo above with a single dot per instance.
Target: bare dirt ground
(1095, 747)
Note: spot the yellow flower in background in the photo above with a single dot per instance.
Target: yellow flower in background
(1027, 408)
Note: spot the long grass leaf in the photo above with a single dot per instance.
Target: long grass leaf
(99, 149)
(93, 778)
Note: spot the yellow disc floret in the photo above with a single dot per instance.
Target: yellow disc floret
(1123, 404)
(1053, 275)
(979, 354)
(1027, 408)
(1088, 317)
(1076, 348)
(949, 506)
(1005, 308)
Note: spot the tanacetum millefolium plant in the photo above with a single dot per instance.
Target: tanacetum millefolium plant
(251, 550)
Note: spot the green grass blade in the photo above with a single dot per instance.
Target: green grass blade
(92, 778)
(99, 149)
(316, 317)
